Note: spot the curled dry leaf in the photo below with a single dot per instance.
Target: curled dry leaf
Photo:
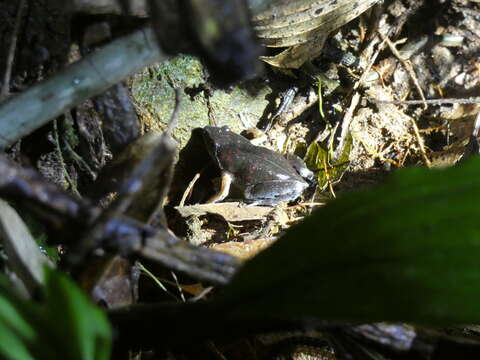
(302, 26)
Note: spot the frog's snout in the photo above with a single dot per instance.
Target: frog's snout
(306, 174)
(299, 165)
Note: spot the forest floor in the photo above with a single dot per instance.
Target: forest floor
(349, 119)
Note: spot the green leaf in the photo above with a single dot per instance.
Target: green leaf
(11, 317)
(406, 251)
(88, 329)
(320, 160)
(13, 328)
(65, 326)
(12, 346)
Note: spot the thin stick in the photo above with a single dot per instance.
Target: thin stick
(473, 100)
(370, 64)
(355, 100)
(420, 144)
(80, 161)
(347, 119)
(476, 126)
(411, 72)
(180, 290)
(58, 148)
(157, 281)
(11, 53)
(408, 66)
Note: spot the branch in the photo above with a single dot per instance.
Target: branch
(68, 215)
(26, 112)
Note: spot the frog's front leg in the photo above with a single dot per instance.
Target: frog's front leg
(274, 192)
(226, 182)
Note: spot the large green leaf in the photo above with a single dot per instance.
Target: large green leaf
(408, 250)
(89, 331)
(65, 326)
(13, 330)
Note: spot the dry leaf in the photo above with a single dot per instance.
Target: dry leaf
(244, 250)
(230, 211)
(286, 23)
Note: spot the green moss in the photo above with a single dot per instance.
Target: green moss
(153, 91)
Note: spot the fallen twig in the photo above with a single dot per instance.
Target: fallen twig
(356, 98)
(473, 100)
(68, 215)
(94, 74)
(407, 65)
(347, 119)
(58, 149)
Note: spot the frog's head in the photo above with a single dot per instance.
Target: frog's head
(299, 165)
(218, 137)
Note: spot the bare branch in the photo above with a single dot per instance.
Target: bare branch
(92, 75)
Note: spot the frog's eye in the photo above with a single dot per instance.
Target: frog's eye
(299, 165)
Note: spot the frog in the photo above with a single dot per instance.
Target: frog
(258, 175)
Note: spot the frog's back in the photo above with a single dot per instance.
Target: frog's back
(255, 164)
(249, 164)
